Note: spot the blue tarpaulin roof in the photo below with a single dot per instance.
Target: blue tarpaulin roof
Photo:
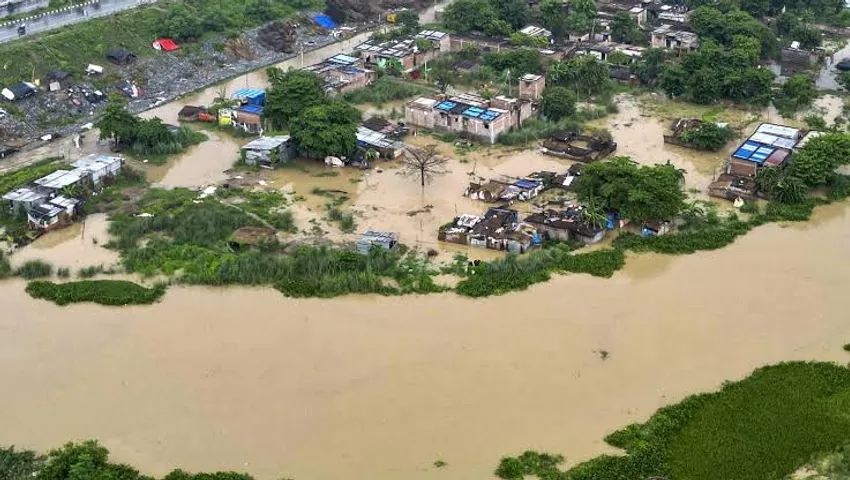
(251, 109)
(753, 151)
(526, 184)
(324, 21)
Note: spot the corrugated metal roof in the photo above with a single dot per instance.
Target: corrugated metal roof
(266, 143)
(257, 110)
(24, 194)
(64, 202)
(248, 93)
(61, 178)
(96, 162)
(779, 130)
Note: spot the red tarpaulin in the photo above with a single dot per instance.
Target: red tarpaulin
(165, 44)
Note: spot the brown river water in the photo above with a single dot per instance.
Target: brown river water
(366, 387)
(369, 387)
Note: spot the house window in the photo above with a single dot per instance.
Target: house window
(487, 126)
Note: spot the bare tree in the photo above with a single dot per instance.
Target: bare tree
(424, 163)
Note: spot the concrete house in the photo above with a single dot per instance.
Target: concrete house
(24, 199)
(371, 238)
(565, 225)
(470, 116)
(404, 50)
(479, 42)
(99, 168)
(666, 36)
(531, 86)
(269, 152)
(343, 73)
(55, 213)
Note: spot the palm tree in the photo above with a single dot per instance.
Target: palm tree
(593, 214)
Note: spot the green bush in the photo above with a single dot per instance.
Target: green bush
(34, 269)
(104, 292)
(765, 426)
(847, 347)
(89, 272)
(63, 272)
(385, 89)
(520, 272)
(5, 266)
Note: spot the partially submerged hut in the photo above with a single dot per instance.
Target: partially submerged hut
(252, 237)
(583, 148)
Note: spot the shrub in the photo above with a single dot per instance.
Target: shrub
(797, 407)
(5, 266)
(34, 269)
(385, 89)
(63, 272)
(104, 292)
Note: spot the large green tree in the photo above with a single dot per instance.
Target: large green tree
(409, 20)
(327, 129)
(585, 75)
(557, 103)
(117, 124)
(816, 162)
(513, 12)
(474, 15)
(582, 15)
(625, 29)
(637, 192)
(290, 93)
(674, 81)
(519, 61)
(554, 17)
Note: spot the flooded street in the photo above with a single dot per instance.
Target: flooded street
(379, 388)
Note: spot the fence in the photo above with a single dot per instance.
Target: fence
(84, 11)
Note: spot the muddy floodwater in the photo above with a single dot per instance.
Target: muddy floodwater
(366, 387)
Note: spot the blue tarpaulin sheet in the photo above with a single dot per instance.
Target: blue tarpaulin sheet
(324, 21)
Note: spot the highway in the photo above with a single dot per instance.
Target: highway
(67, 16)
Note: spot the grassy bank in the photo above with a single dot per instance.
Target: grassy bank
(764, 427)
(73, 47)
(104, 292)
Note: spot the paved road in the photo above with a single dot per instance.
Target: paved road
(67, 17)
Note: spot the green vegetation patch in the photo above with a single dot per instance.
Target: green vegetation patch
(34, 269)
(104, 292)
(765, 426)
(73, 47)
(520, 272)
(13, 180)
(386, 89)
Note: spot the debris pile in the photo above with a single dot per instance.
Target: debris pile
(279, 36)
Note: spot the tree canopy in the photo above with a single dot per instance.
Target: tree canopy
(117, 124)
(636, 192)
(585, 75)
(326, 129)
(519, 62)
(625, 29)
(816, 162)
(558, 102)
(553, 17)
(475, 15)
(582, 15)
(715, 72)
(290, 93)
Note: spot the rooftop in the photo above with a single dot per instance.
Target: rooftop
(433, 35)
(530, 77)
(61, 178)
(266, 143)
(96, 162)
(248, 93)
(376, 139)
(533, 31)
(24, 194)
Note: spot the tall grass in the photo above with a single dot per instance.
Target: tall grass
(34, 269)
(179, 142)
(5, 266)
(765, 426)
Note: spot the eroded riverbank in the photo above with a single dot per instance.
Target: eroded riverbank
(368, 387)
